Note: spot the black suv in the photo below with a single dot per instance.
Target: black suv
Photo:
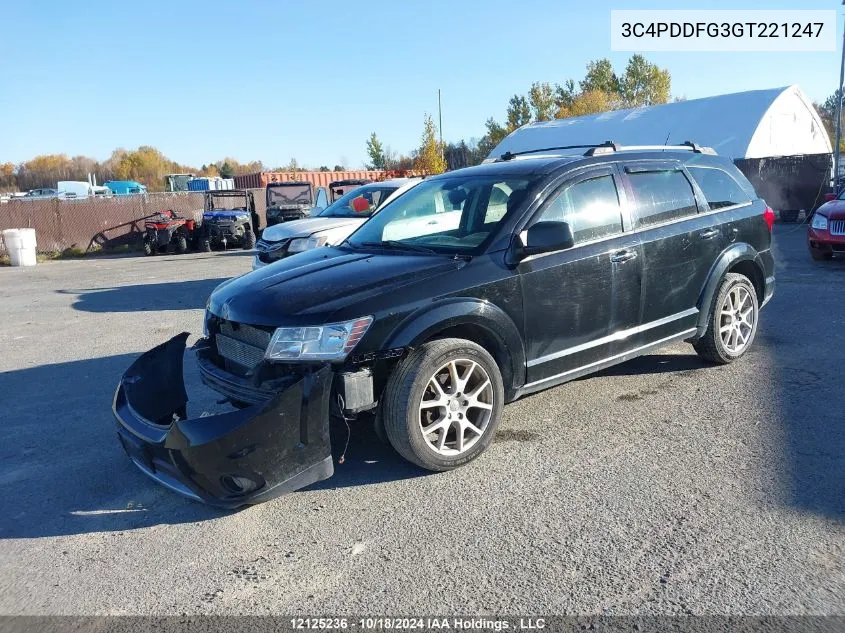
(474, 288)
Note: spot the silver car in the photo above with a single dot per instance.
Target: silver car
(332, 225)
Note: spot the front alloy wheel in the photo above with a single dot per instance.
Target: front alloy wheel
(456, 407)
(442, 403)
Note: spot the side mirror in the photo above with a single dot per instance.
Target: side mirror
(829, 196)
(543, 237)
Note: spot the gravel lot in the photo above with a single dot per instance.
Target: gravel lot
(660, 486)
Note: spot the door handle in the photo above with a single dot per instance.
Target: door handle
(708, 234)
(623, 256)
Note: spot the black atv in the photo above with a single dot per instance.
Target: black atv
(167, 229)
(229, 219)
(288, 201)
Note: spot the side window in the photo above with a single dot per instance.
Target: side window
(590, 207)
(322, 200)
(661, 196)
(720, 190)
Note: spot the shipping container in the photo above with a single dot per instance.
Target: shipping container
(317, 178)
(211, 184)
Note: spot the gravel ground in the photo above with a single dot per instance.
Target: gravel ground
(660, 486)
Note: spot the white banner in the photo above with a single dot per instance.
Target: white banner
(722, 30)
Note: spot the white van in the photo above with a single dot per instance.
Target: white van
(74, 189)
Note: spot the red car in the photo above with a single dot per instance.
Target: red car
(826, 232)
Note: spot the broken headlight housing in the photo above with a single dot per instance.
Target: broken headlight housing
(328, 342)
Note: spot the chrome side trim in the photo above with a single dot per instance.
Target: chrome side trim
(608, 361)
(616, 336)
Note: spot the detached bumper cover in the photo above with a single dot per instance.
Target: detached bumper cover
(231, 459)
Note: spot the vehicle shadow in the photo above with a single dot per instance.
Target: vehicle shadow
(172, 295)
(367, 459)
(62, 470)
(654, 364)
(803, 334)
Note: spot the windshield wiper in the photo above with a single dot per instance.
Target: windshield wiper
(400, 245)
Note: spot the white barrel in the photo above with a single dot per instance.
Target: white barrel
(20, 244)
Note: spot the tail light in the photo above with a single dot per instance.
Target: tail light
(769, 217)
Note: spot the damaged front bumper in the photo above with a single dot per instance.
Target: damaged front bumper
(231, 459)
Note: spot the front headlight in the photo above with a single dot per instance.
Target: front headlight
(307, 243)
(323, 342)
(819, 222)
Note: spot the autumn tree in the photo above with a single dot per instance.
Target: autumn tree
(8, 177)
(590, 102)
(827, 113)
(600, 76)
(542, 98)
(430, 155)
(644, 83)
(375, 151)
(518, 113)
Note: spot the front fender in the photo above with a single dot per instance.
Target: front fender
(730, 257)
(427, 322)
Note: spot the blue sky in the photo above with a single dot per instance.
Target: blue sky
(311, 80)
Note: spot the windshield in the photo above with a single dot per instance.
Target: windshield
(373, 196)
(288, 194)
(445, 215)
(226, 203)
(841, 195)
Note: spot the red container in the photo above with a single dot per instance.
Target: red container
(316, 178)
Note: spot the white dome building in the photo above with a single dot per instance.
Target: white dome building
(774, 136)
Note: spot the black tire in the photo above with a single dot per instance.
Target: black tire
(408, 384)
(249, 241)
(148, 248)
(205, 245)
(378, 426)
(711, 346)
(820, 255)
(181, 244)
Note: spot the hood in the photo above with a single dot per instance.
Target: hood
(226, 214)
(306, 227)
(321, 286)
(834, 210)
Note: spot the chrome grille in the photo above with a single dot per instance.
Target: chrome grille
(246, 334)
(837, 227)
(238, 352)
(242, 344)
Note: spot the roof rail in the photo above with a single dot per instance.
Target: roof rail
(512, 155)
(609, 146)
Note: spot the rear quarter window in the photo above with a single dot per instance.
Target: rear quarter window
(661, 196)
(719, 188)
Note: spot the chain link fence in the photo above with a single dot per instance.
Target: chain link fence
(96, 223)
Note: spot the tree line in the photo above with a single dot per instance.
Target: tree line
(146, 165)
(602, 89)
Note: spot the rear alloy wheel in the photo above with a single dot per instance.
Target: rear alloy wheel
(733, 323)
(443, 404)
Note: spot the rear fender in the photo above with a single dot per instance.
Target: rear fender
(730, 257)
